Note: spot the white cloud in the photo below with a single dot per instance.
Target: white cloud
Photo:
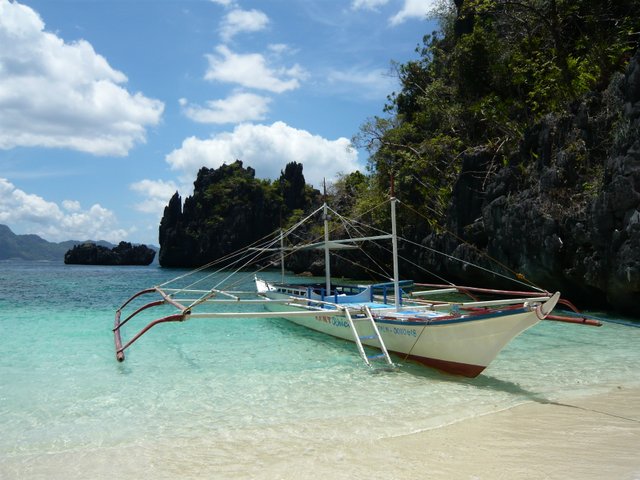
(279, 48)
(71, 205)
(267, 149)
(157, 193)
(367, 4)
(64, 95)
(413, 9)
(33, 214)
(237, 108)
(419, 9)
(251, 71)
(224, 3)
(368, 84)
(238, 21)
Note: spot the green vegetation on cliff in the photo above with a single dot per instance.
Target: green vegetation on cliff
(495, 69)
(228, 210)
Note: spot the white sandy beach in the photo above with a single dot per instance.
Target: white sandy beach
(587, 438)
(595, 437)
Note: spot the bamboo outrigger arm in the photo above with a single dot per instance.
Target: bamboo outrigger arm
(179, 317)
(185, 312)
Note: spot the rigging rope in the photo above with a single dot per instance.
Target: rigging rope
(236, 253)
(521, 279)
(243, 258)
(210, 264)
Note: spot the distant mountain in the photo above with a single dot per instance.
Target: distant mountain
(33, 247)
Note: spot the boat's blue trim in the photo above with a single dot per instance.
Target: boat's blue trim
(356, 304)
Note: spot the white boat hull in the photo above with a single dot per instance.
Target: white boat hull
(462, 346)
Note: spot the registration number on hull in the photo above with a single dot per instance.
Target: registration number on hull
(343, 323)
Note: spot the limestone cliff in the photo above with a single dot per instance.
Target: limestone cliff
(229, 209)
(570, 220)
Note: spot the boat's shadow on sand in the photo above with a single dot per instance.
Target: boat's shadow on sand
(487, 382)
(483, 382)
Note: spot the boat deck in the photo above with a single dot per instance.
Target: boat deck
(404, 314)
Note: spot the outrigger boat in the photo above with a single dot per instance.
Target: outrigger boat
(394, 317)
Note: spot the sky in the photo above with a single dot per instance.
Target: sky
(108, 107)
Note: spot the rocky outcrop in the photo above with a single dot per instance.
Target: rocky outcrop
(124, 253)
(565, 212)
(229, 209)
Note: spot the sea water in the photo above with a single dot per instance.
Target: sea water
(207, 393)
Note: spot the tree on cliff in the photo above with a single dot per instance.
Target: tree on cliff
(495, 69)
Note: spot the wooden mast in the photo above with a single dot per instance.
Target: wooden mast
(282, 254)
(327, 258)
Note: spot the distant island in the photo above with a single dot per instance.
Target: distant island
(32, 247)
(88, 253)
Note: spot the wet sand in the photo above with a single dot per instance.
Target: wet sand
(596, 437)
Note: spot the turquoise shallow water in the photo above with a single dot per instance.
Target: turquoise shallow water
(227, 385)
